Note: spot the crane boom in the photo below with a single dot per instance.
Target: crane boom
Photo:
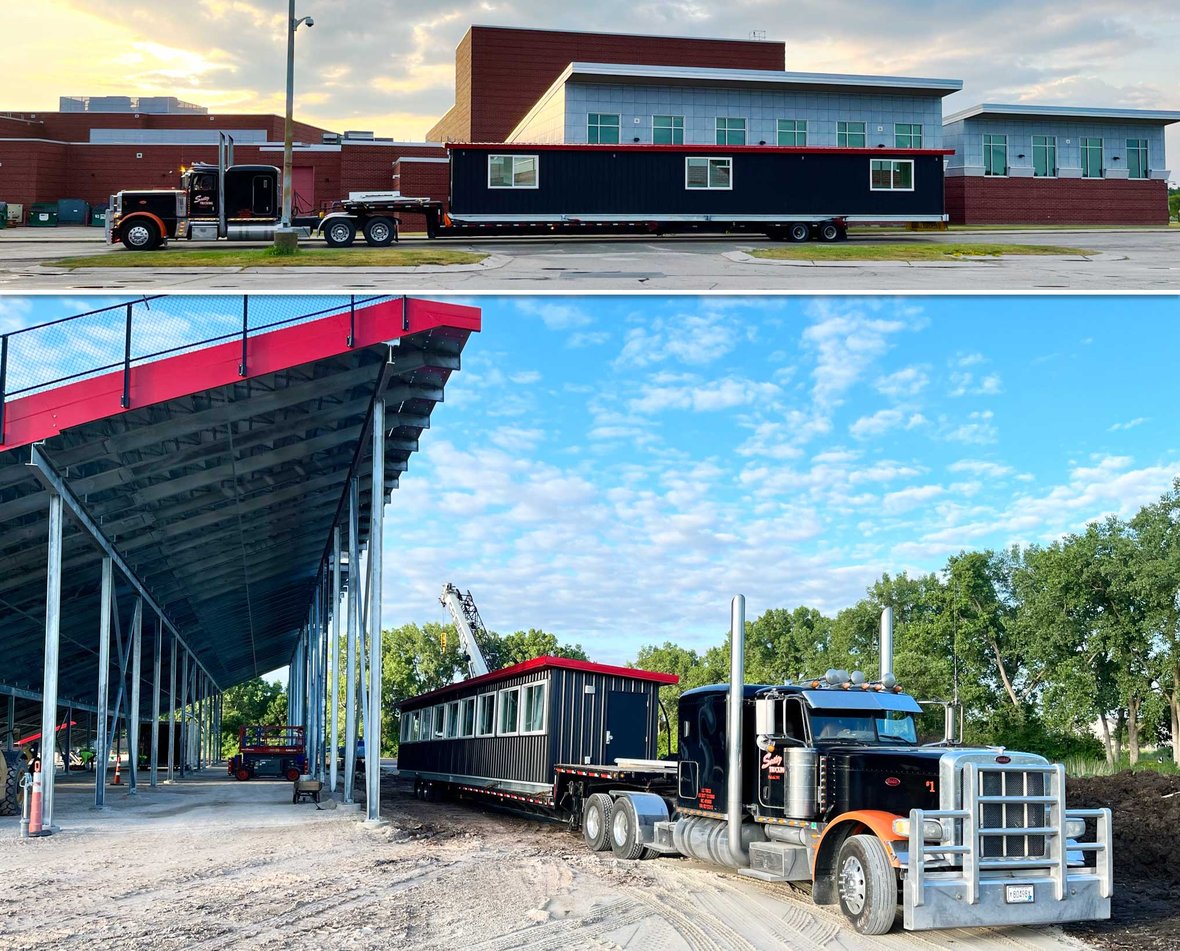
(467, 623)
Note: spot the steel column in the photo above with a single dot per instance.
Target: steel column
(133, 703)
(199, 717)
(184, 724)
(102, 750)
(376, 540)
(350, 648)
(52, 643)
(10, 742)
(334, 661)
(153, 778)
(172, 716)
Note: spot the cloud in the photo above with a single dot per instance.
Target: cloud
(905, 499)
(907, 382)
(846, 341)
(555, 314)
(980, 467)
(691, 339)
(702, 396)
(876, 425)
(1129, 424)
(978, 428)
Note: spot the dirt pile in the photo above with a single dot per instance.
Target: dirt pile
(1145, 911)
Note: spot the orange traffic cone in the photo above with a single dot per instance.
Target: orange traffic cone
(118, 780)
(35, 804)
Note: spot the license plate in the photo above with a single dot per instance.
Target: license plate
(1018, 894)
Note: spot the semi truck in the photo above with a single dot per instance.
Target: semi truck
(784, 193)
(821, 781)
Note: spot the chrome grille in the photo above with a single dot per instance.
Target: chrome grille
(1012, 815)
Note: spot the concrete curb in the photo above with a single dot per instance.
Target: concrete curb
(491, 262)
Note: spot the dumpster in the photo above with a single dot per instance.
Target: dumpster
(43, 214)
(72, 211)
(16, 213)
(98, 217)
(3, 214)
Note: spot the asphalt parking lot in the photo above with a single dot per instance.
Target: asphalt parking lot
(1129, 260)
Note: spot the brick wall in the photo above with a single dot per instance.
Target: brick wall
(984, 201)
(419, 179)
(33, 171)
(500, 73)
(369, 168)
(76, 126)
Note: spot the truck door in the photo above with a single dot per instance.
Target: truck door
(773, 767)
(262, 197)
(627, 718)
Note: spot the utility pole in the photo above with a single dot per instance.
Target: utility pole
(285, 236)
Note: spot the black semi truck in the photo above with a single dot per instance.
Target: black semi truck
(821, 782)
(790, 194)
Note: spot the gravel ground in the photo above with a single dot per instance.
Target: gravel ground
(217, 864)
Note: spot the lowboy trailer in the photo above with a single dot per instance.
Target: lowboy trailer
(821, 781)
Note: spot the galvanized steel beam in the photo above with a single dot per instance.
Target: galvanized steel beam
(376, 541)
(52, 645)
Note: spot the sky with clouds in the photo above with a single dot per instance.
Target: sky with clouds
(615, 469)
(388, 65)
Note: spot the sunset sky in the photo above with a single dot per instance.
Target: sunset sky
(389, 66)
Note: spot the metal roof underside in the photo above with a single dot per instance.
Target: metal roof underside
(222, 501)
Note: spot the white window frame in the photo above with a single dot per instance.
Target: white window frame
(416, 726)
(892, 175)
(438, 718)
(794, 133)
(1084, 149)
(463, 706)
(864, 133)
(709, 159)
(728, 119)
(492, 156)
(452, 720)
(987, 146)
(478, 701)
(500, 711)
(1050, 145)
(617, 126)
(544, 688)
(1145, 149)
(672, 128)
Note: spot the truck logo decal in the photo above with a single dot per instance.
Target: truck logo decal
(771, 759)
(893, 781)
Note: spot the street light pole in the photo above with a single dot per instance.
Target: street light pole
(285, 235)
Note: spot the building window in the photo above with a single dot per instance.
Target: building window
(667, 130)
(1137, 158)
(851, 135)
(891, 175)
(713, 173)
(1091, 158)
(1044, 156)
(467, 717)
(509, 724)
(439, 714)
(731, 131)
(452, 719)
(792, 132)
(405, 727)
(534, 709)
(602, 128)
(995, 154)
(416, 730)
(512, 171)
(485, 718)
(907, 135)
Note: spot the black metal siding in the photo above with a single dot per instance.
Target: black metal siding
(643, 182)
(575, 729)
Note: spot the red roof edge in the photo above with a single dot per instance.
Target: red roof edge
(691, 149)
(538, 663)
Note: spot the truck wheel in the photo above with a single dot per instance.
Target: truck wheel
(596, 815)
(141, 234)
(867, 884)
(340, 233)
(12, 768)
(379, 232)
(624, 831)
(799, 231)
(242, 774)
(292, 774)
(829, 231)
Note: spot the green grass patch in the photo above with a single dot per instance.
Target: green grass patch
(271, 257)
(1156, 761)
(904, 251)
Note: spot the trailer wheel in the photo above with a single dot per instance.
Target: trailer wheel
(242, 774)
(624, 831)
(340, 233)
(12, 768)
(380, 232)
(829, 231)
(292, 774)
(799, 231)
(866, 884)
(142, 234)
(596, 815)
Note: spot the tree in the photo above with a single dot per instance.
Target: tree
(1174, 203)
(693, 669)
(520, 646)
(251, 703)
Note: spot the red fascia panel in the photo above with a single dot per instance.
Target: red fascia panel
(38, 416)
(690, 149)
(538, 663)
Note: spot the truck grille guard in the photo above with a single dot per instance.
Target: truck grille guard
(1011, 829)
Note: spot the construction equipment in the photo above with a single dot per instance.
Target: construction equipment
(13, 766)
(469, 624)
(275, 751)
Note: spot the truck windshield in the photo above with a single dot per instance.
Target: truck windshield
(887, 727)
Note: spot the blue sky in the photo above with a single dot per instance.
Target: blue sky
(614, 469)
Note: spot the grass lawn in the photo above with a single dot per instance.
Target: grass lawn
(863, 251)
(266, 257)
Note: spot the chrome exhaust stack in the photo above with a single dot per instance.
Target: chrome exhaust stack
(887, 676)
(737, 682)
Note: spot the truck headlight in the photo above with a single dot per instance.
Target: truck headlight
(931, 829)
(1075, 828)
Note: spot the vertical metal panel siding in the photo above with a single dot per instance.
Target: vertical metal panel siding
(641, 182)
(576, 728)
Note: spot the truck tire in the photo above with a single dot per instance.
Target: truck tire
(140, 234)
(867, 884)
(596, 814)
(624, 831)
(829, 231)
(12, 768)
(340, 233)
(799, 231)
(380, 232)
